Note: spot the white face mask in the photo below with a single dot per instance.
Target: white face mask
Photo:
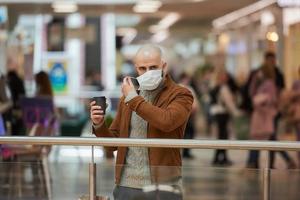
(150, 80)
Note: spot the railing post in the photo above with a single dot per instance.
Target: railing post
(267, 177)
(92, 177)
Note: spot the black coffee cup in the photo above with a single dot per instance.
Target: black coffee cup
(101, 101)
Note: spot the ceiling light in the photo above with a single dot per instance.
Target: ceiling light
(267, 18)
(150, 3)
(147, 6)
(128, 34)
(221, 22)
(154, 28)
(165, 23)
(272, 36)
(64, 7)
(224, 39)
(160, 36)
(142, 9)
(169, 20)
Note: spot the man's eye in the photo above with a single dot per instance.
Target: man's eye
(153, 67)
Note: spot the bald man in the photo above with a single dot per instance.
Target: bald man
(159, 108)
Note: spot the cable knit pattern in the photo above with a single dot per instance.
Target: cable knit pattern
(136, 173)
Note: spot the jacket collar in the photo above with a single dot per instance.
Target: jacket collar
(168, 82)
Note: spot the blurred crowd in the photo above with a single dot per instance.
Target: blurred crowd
(12, 91)
(259, 109)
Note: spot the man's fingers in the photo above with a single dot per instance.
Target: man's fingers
(96, 108)
(130, 82)
(125, 82)
(96, 112)
(97, 117)
(92, 103)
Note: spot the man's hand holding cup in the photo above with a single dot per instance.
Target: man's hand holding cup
(97, 110)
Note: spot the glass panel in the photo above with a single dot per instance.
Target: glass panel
(197, 182)
(30, 180)
(37, 176)
(66, 176)
(221, 183)
(285, 184)
(70, 180)
(23, 180)
(105, 178)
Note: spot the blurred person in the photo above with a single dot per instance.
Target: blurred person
(44, 89)
(290, 107)
(159, 109)
(185, 81)
(267, 72)
(119, 58)
(43, 85)
(202, 88)
(5, 101)
(264, 98)
(16, 87)
(222, 107)
(17, 90)
(4, 91)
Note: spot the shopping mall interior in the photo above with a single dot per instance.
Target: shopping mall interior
(56, 55)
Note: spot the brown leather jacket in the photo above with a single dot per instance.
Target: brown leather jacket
(166, 118)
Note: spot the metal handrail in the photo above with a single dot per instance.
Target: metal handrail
(162, 143)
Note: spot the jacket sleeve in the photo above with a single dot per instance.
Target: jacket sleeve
(165, 119)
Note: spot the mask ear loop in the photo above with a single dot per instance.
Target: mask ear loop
(162, 70)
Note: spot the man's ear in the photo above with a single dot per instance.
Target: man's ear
(165, 64)
(164, 69)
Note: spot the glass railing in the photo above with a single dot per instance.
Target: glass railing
(63, 181)
(68, 181)
(43, 176)
(204, 182)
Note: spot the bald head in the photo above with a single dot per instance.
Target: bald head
(148, 52)
(148, 57)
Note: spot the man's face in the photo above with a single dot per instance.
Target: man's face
(146, 63)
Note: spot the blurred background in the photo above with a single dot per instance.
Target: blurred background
(56, 55)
